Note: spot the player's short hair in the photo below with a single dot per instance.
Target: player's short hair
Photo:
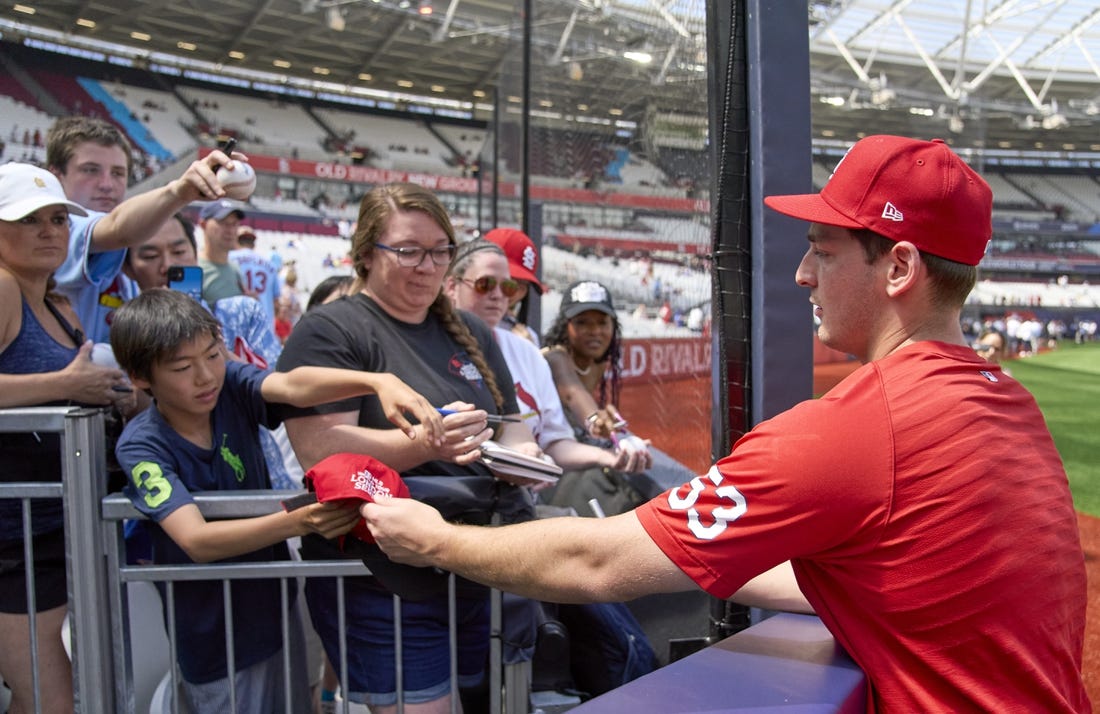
(952, 282)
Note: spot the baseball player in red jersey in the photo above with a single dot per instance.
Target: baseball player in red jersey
(952, 573)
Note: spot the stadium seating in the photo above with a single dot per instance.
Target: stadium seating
(595, 237)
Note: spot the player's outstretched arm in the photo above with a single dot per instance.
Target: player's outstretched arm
(555, 559)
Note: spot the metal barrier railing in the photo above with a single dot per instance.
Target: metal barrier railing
(98, 574)
(83, 483)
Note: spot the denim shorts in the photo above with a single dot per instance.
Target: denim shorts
(425, 641)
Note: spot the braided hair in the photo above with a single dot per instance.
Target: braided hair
(377, 207)
(558, 336)
(465, 255)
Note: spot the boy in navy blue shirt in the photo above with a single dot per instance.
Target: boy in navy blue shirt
(200, 434)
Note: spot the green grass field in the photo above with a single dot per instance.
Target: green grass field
(1066, 383)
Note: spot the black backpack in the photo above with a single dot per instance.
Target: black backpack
(607, 647)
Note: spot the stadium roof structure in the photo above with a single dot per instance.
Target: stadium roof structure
(1009, 74)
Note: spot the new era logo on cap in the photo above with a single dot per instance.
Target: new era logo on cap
(891, 213)
(906, 190)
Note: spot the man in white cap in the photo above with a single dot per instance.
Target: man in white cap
(950, 571)
(91, 159)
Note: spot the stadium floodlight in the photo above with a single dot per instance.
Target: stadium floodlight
(883, 98)
(335, 19)
(1055, 121)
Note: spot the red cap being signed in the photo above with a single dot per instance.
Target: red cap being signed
(355, 476)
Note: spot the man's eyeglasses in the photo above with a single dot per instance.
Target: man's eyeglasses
(484, 286)
(413, 257)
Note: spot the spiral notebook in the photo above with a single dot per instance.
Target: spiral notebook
(514, 463)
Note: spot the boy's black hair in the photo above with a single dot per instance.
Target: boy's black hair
(152, 326)
(327, 287)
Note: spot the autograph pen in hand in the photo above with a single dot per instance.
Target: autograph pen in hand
(495, 418)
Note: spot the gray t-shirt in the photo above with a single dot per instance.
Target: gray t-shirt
(220, 280)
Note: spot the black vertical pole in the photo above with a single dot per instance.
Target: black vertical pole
(762, 333)
(480, 199)
(498, 120)
(525, 121)
(731, 293)
(527, 225)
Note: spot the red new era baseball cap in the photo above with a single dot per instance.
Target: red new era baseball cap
(362, 478)
(904, 189)
(523, 259)
(358, 477)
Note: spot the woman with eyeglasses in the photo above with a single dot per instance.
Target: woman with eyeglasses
(480, 282)
(397, 319)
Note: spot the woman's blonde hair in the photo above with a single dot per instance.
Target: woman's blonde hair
(378, 206)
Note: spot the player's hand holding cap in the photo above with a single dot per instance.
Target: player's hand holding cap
(363, 478)
(355, 477)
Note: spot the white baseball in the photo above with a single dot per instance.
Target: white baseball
(239, 182)
(104, 355)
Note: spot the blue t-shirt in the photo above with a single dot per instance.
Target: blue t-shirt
(93, 282)
(241, 317)
(164, 470)
(244, 317)
(261, 277)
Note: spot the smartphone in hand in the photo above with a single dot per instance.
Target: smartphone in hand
(187, 279)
